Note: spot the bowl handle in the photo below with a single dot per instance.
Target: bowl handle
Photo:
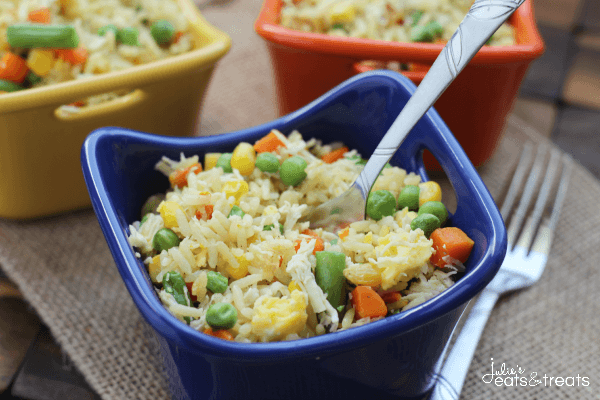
(120, 104)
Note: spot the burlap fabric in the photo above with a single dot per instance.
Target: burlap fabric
(65, 271)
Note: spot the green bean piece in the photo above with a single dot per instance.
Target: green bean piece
(380, 203)
(216, 283)
(409, 197)
(235, 210)
(128, 36)
(102, 30)
(329, 275)
(164, 239)
(152, 203)
(436, 208)
(281, 229)
(435, 28)
(221, 316)
(224, 161)
(267, 162)
(427, 222)
(33, 78)
(292, 171)
(268, 227)
(31, 36)
(8, 86)
(416, 17)
(162, 31)
(338, 26)
(174, 284)
(144, 219)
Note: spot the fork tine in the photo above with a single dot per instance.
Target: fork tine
(517, 180)
(532, 225)
(544, 236)
(516, 222)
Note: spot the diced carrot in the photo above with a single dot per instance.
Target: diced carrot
(208, 211)
(268, 143)
(344, 233)
(334, 155)
(189, 288)
(78, 103)
(391, 297)
(219, 333)
(418, 67)
(13, 68)
(179, 178)
(76, 56)
(367, 303)
(177, 36)
(41, 15)
(319, 245)
(450, 241)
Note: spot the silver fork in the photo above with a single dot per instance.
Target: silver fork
(529, 242)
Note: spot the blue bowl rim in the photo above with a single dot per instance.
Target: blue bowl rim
(167, 325)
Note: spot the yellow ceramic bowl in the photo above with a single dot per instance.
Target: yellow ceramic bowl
(40, 143)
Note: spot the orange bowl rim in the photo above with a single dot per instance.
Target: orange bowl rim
(267, 26)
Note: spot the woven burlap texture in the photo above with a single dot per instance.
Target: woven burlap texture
(65, 271)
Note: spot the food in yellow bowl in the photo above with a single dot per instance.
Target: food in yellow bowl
(392, 20)
(48, 42)
(229, 255)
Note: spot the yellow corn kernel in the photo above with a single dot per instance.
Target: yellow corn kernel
(40, 61)
(167, 212)
(293, 286)
(242, 270)
(368, 238)
(341, 13)
(210, 160)
(154, 268)
(236, 189)
(429, 191)
(244, 158)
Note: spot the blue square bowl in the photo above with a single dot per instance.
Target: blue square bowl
(397, 357)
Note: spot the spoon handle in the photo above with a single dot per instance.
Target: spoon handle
(483, 19)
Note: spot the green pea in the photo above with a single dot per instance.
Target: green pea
(338, 26)
(224, 161)
(329, 275)
(221, 316)
(272, 226)
(33, 78)
(380, 203)
(334, 242)
(162, 31)
(164, 239)
(292, 171)
(267, 162)
(102, 30)
(409, 197)
(436, 208)
(152, 203)
(235, 210)
(174, 284)
(216, 283)
(420, 33)
(8, 86)
(42, 36)
(128, 36)
(427, 222)
(426, 33)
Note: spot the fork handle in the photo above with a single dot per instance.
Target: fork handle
(452, 376)
(483, 19)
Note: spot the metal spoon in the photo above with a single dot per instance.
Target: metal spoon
(482, 20)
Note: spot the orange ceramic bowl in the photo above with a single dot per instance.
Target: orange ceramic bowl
(475, 106)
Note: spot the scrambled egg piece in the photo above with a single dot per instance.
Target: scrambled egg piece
(275, 318)
(400, 256)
